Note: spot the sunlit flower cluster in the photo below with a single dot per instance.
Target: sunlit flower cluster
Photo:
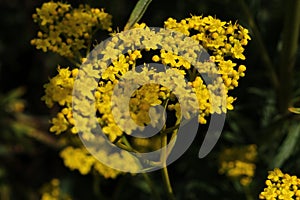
(66, 30)
(281, 186)
(59, 91)
(239, 163)
(224, 41)
(213, 96)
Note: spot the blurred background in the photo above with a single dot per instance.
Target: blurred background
(265, 114)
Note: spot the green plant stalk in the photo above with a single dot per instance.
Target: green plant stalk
(137, 13)
(261, 45)
(167, 183)
(164, 170)
(165, 173)
(290, 35)
(164, 153)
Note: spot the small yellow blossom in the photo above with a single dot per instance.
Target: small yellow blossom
(60, 124)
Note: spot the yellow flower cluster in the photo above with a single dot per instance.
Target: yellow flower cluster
(80, 159)
(66, 31)
(238, 163)
(52, 191)
(210, 103)
(281, 186)
(59, 90)
(223, 40)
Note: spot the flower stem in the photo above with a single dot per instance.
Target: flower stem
(167, 183)
(164, 170)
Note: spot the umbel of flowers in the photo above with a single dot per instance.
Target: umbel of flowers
(69, 32)
(281, 185)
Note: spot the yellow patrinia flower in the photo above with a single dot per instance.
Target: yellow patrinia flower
(67, 31)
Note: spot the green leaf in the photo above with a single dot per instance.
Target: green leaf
(137, 13)
(288, 146)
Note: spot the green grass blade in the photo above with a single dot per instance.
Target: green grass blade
(137, 13)
(288, 146)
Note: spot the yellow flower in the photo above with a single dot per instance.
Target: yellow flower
(60, 124)
(77, 159)
(237, 51)
(286, 194)
(113, 131)
(156, 58)
(182, 62)
(170, 23)
(168, 58)
(59, 89)
(275, 175)
(268, 193)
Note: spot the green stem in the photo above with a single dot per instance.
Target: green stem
(164, 171)
(260, 45)
(167, 183)
(288, 53)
